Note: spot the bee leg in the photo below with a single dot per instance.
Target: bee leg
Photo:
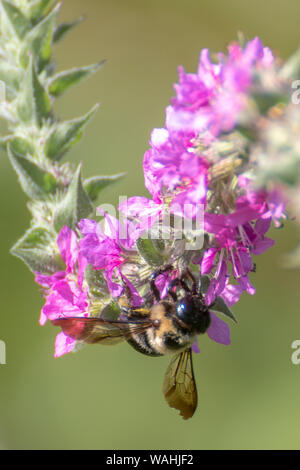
(173, 294)
(125, 304)
(177, 282)
(190, 276)
(127, 293)
(154, 289)
(140, 312)
(125, 301)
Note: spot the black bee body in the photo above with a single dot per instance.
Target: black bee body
(175, 326)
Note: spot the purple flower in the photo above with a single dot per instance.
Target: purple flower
(238, 235)
(276, 205)
(145, 212)
(217, 331)
(176, 178)
(212, 98)
(171, 162)
(174, 175)
(231, 293)
(63, 290)
(104, 247)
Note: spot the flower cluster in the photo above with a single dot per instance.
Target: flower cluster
(180, 166)
(213, 99)
(199, 168)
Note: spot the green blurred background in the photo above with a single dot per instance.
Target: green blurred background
(110, 398)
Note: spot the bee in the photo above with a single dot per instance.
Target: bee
(169, 326)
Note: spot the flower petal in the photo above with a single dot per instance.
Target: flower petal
(67, 244)
(63, 344)
(218, 330)
(195, 347)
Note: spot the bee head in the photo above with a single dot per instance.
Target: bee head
(193, 312)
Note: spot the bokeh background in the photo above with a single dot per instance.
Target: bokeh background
(110, 397)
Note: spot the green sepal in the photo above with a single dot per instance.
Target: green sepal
(95, 185)
(39, 8)
(35, 181)
(159, 245)
(33, 101)
(18, 20)
(111, 311)
(65, 135)
(219, 305)
(39, 41)
(96, 281)
(61, 82)
(62, 29)
(75, 204)
(149, 252)
(33, 249)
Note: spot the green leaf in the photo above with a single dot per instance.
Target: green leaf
(205, 281)
(65, 135)
(61, 82)
(62, 29)
(21, 146)
(39, 8)
(75, 205)
(4, 140)
(35, 248)
(291, 68)
(10, 75)
(17, 19)
(219, 305)
(39, 41)
(95, 185)
(33, 101)
(149, 252)
(265, 101)
(36, 182)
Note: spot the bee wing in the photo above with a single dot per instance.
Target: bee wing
(97, 330)
(179, 385)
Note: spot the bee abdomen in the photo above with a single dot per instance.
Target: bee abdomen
(172, 341)
(141, 344)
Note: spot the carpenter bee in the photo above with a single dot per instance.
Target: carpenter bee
(170, 326)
